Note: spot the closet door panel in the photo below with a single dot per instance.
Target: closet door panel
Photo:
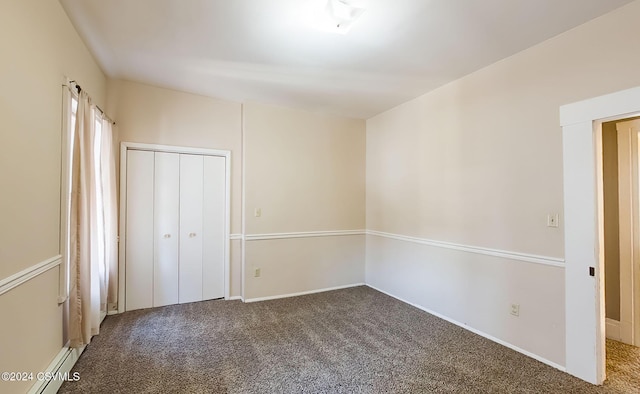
(139, 227)
(166, 228)
(214, 245)
(190, 266)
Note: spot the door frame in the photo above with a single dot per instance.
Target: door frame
(124, 147)
(584, 230)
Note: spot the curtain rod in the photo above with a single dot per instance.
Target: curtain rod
(99, 109)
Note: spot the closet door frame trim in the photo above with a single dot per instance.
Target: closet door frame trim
(124, 147)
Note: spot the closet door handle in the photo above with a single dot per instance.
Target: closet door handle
(191, 235)
(167, 235)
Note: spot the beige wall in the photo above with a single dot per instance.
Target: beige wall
(611, 240)
(290, 266)
(305, 171)
(481, 157)
(479, 162)
(31, 333)
(39, 46)
(475, 291)
(154, 115)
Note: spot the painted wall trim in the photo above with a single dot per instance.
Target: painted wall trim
(19, 278)
(613, 329)
(176, 149)
(243, 203)
(304, 234)
(234, 237)
(61, 365)
(530, 258)
(618, 105)
(235, 298)
(68, 93)
(476, 331)
(303, 293)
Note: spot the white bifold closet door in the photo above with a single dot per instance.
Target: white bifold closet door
(213, 226)
(139, 227)
(166, 222)
(191, 203)
(175, 228)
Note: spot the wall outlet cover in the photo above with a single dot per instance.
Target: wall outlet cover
(515, 309)
(552, 220)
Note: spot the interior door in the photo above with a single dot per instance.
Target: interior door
(166, 228)
(176, 210)
(139, 227)
(214, 208)
(191, 235)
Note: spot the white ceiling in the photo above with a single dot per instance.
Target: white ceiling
(270, 51)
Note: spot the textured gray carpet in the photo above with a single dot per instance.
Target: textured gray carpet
(347, 341)
(623, 367)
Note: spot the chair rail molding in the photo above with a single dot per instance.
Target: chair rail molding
(27, 274)
(529, 258)
(303, 234)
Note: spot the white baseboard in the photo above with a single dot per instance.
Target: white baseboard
(234, 298)
(302, 293)
(476, 331)
(59, 367)
(613, 329)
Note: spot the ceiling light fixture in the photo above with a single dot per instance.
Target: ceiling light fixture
(343, 15)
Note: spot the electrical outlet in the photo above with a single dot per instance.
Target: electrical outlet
(256, 272)
(515, 309)
(552, 220)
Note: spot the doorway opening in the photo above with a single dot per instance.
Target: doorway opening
(581, 123)
(621, 218)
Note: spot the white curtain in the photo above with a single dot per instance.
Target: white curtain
(109, 198)
(93, 221)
